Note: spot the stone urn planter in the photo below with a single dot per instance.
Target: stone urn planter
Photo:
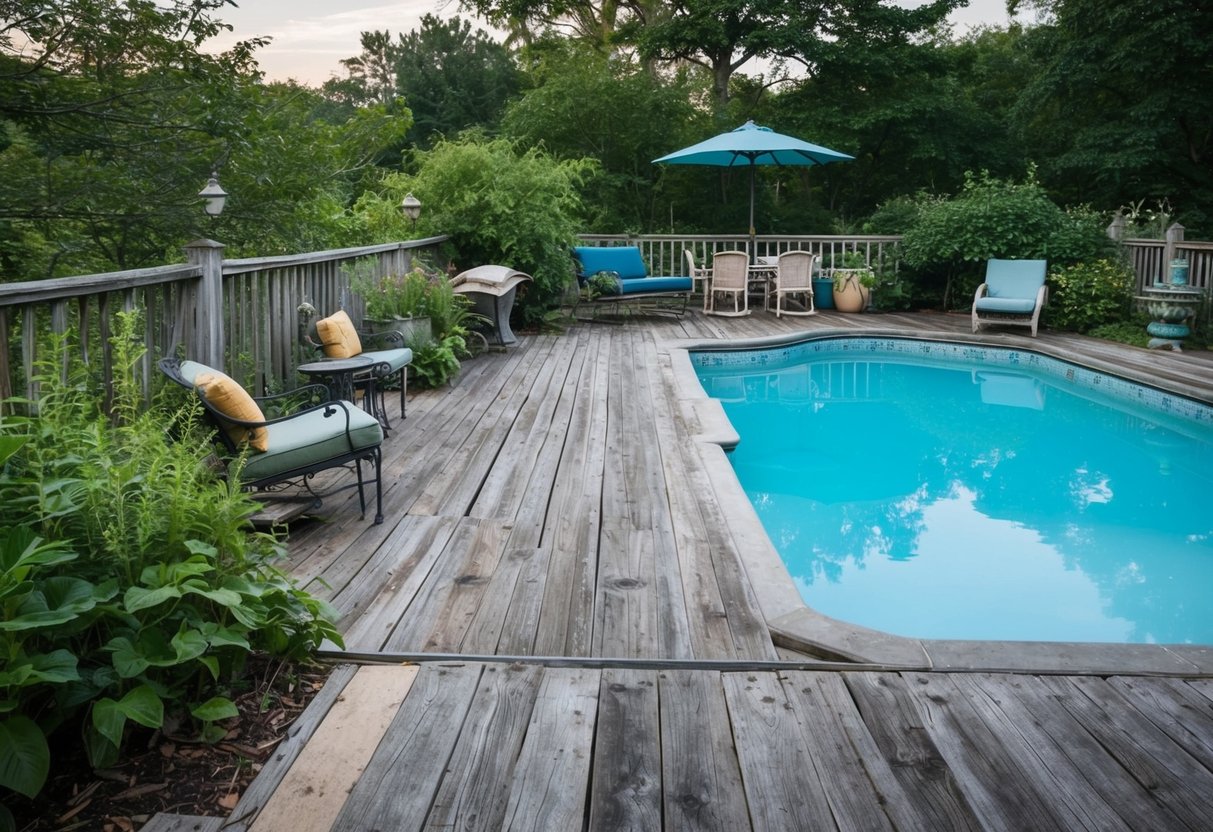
(852, 289)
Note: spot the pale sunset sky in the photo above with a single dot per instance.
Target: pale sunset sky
(310, 37)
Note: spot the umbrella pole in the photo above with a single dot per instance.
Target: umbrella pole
(753, 243)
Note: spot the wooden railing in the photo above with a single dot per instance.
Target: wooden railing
(664, 252)
(242, 315)
(1151, 259)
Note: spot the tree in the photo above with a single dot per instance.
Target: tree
(499, 203)
(453, 78)
(634, 118)
(1129, 80)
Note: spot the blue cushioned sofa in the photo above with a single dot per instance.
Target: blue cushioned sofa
(630, 277)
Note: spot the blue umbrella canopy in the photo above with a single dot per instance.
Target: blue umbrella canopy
(751, 145)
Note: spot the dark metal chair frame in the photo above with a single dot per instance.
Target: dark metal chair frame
(301, 475)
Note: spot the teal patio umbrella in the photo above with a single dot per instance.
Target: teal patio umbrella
(750, 146)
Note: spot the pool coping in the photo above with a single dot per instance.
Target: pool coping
(796, 626)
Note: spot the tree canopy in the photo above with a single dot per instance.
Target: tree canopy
(112, 114)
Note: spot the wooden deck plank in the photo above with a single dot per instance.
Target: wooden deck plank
(1176, 708)
(779, 776)
(313, 792)
(536, 432)
(861, 787)
(1044, 760)
(626, 788)
(700, 775)
(992, 778)
(453, 489)
(553, 771)
(571, 531)
(625, 618)
(402, 778)
(1154, 760)
(477, 782)
(902, 740)
(439, 615)
(413, 553)
(1036, 714)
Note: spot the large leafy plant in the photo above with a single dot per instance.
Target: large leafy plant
(130, 579)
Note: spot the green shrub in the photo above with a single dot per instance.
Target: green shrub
(130, 579)
(499, 204)
(1090, 294)
(949, 243)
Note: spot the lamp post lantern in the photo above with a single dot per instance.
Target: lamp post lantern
(214, 195)
(411, 206)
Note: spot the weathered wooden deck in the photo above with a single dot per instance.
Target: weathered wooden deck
(554, 504)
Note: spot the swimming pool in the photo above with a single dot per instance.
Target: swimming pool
(938, 490)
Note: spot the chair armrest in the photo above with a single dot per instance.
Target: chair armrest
(306, 391)
(982, 290)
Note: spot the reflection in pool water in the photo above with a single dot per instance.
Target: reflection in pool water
(976, 502)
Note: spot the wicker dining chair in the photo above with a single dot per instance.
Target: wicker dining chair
(794, 278)
(730, 272)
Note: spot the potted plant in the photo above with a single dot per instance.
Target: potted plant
(395, 302)
(853, 282)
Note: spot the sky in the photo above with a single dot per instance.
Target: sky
(310, 38)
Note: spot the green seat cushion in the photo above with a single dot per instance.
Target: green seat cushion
(311, 438)
(395, 358)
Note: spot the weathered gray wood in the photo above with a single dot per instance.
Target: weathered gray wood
(400, 781)
(374, 604)
(1154, 760)
(994, 782)
(862, 791)
(553, 771)
(1042, 758)
(900, 734)
(476, 786)
(1183, 714)
(1044, 723)
(780, 778)
(701, 780)
(571, 529)
(626, 789)
(287, 751)
(626, 601)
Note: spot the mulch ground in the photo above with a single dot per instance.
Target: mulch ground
(172, 770)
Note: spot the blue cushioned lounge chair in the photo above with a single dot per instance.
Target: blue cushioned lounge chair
(629, 278)
(1014, 294)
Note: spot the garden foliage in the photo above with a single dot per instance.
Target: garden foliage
(131, 583)
(950, 240)
(1089, 294)
(501, 204)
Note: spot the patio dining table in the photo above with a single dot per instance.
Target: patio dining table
(761, 277)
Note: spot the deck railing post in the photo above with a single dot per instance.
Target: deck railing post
(209, 337)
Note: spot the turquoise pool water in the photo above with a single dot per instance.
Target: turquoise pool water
(948, 491)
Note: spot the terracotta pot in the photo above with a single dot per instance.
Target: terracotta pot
(850, 295)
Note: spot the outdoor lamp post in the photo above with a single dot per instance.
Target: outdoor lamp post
(214, 195)
(411, 206)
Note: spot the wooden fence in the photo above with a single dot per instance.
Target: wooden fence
(242, 315)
